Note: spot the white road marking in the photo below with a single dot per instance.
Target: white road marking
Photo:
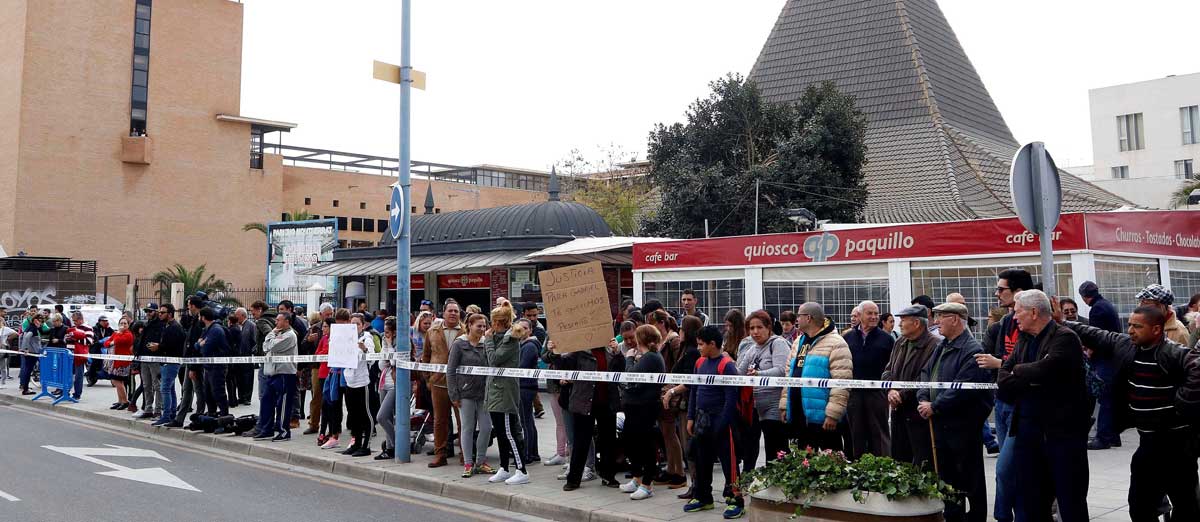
(8, 497)
(156, 476)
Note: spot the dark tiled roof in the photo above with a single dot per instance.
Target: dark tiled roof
(937, 147)
(531, 226)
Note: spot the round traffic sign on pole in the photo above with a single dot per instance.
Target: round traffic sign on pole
(396, 218)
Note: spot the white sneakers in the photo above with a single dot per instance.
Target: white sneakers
(330, 444)
(517, 478)
(510, 478)
(629, 487)
(500, 476)
(641, 493)
(588, 474)
(555, 460)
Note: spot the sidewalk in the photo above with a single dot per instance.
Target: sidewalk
(542, 497)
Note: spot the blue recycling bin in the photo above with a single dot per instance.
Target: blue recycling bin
(57, 368)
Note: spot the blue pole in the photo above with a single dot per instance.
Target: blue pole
(403, 293)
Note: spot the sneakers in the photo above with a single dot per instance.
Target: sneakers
(484, 469)
(467, 471)
(733, 511)
(518, 478)
(265, 435)
(629, 487)
(588, 474)
(500, 476)
(695, 506)
(331, 443)
(555, 461)
(642, 493)
(563, 475)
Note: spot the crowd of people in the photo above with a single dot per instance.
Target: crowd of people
(1053, 369)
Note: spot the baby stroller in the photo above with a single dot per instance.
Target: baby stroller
(420, 426)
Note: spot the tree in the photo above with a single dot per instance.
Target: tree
(619, 194)
(1180, 197)
(295, 215)
(193, 281)
(803, 155)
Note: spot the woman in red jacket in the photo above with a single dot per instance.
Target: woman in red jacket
(121, 343)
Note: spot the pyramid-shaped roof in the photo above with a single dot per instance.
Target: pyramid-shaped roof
(937, 147)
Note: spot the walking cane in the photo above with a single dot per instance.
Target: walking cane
(933, 442)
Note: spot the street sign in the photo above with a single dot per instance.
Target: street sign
(1037, 198)
(157, 476)
(396, 219)
(1036, 189)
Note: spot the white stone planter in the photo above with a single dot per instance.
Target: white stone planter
(770, 505)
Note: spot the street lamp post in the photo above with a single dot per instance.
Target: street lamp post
(403, 293)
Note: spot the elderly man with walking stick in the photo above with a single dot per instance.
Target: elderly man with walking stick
(956, 414)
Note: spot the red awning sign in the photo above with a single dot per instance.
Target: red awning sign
(464, 282)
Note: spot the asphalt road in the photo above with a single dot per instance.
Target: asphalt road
(56, 485)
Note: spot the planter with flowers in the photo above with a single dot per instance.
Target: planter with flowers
(811, 485)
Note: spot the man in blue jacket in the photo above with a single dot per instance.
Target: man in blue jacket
(1103, 315)
(213, 343)
(957, 414)
(712, 412)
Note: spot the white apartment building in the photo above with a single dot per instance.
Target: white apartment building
(1146, 137)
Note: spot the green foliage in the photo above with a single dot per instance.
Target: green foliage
(618, 202)
(193, 281)
(295, 215)
(1179, 198)
(804, 155)
(807, 475)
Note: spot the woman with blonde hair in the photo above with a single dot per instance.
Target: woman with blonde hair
(421, 324)
(503, 347)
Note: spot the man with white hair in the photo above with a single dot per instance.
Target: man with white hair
(867, 412)
(1044, 380)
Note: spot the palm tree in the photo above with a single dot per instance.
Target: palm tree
(193, 281)
(1179, 198)
(295, 215)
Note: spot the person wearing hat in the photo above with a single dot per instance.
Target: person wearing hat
(1156, 393)
(1044, 380)
(1103, 314)
(1161, 297)
(956, 414)
(910, 433)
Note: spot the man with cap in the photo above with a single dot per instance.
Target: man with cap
(150, 372)
(1044, 380)
(927, 302)
(1161, 297)
(910, 432)
(956, 414)
(1103, 314)
(1156, 393)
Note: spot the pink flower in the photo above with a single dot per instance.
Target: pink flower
(781, 454)
(805, 463)
(808, 449)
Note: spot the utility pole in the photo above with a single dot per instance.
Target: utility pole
(403, 281)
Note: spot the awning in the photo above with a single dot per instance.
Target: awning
(607, 250)
(420, 264)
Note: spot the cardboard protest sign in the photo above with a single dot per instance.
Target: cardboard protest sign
(343, 346)
(576, 303)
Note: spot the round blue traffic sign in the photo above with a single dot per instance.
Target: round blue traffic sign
(396, 218)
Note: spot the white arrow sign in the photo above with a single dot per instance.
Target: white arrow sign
(157, 476)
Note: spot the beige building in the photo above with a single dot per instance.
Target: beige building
(122, 140)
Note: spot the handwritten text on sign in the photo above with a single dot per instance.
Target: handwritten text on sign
(577, 312)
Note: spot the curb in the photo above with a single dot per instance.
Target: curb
(518, 503)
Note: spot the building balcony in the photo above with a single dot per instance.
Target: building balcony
(137, 150)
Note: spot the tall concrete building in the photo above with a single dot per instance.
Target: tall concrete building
(937, 147)
(1146, 137)
(122, 140)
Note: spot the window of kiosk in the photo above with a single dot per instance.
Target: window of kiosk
(715, 296)
(839, 288)
(975, 279)
(523, 285)
(1121, 278)
(1185, 280)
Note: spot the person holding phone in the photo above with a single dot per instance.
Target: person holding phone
(121, 343)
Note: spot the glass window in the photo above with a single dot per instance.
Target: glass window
(335, 203)
(1121, 278)
(141, 62)
(368, 225)
(307, 201)
(143, 12)
(139, 78)
(138, 115)
(1129, 132)
(1183, 169)
(141, 26)
(1185, 280)
(715, 297)
(381, 225)
(1121, 172)
(978, 285)
(837, 297)
(523, 285)
(1189, 121)
(341, 223)
(362, 205)
(139, 94)
(356, 225)
(141, 41)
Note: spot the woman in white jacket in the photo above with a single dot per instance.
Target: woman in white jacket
(358, 413)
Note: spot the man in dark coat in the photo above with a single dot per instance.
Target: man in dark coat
(1103, 315)
(910, 432)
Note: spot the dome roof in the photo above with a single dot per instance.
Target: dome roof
(529, 226)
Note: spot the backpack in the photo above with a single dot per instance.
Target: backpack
(745, 402)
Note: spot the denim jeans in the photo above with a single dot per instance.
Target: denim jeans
(28, 363)
(1005, 476)
(78, 380)
(1105, 431)
(1052, 468)
(167, 374)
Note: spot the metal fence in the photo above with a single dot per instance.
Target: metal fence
(148, 291)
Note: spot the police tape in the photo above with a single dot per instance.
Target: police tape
(399, 360)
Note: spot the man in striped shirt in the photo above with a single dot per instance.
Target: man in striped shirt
(1151, 379)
